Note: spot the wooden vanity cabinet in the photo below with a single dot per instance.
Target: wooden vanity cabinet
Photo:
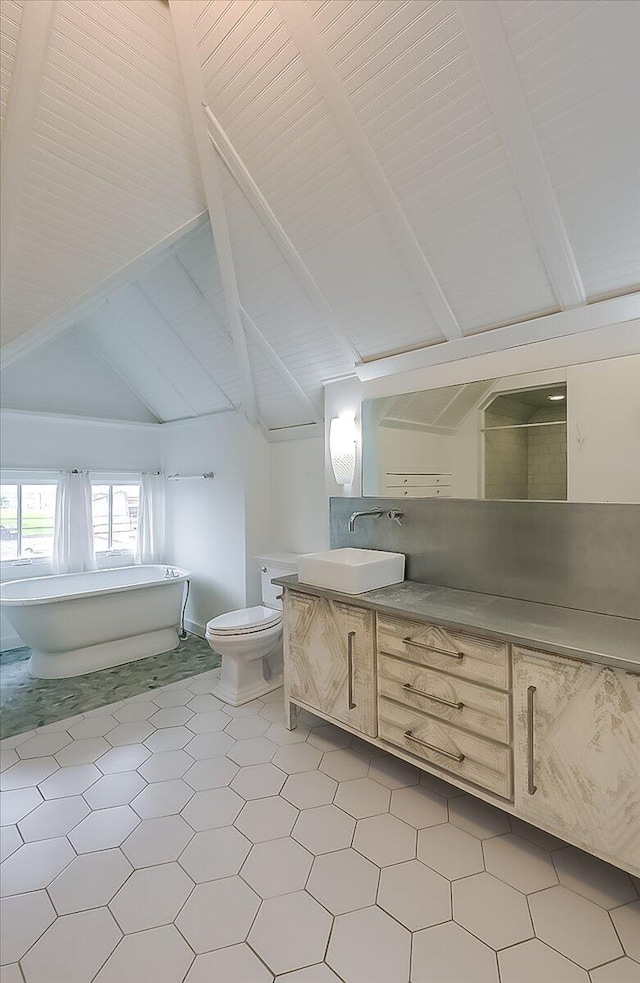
(577, 752)
(330, 659)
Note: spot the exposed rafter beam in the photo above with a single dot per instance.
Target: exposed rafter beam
(31, 53)
(252, 192)
(48, 328)
(318, 62)
(486, 35)
(194, 86)
(539, 329)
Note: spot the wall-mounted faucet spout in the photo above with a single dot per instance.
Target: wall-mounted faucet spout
(394, 514)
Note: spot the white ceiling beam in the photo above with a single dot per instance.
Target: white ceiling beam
(615, 311)
(243, 178)
(60, 320)
(31, 53)
(194, 86)
(492, 53)
(318, 62)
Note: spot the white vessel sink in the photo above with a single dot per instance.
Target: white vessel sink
(351, 571)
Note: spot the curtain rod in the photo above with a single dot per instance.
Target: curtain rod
(74, 470)
(191, 477)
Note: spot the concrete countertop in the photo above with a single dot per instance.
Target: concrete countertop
(577, 634)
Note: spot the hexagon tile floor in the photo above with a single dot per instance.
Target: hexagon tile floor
(169, 838)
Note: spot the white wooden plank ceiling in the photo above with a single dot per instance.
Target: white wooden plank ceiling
(393, 174)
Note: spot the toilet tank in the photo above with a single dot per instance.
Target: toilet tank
(275, 565)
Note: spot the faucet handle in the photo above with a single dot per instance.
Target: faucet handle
(396, 515)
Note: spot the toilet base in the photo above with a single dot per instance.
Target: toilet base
(235, 698)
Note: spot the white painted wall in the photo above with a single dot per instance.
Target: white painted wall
(299, 519)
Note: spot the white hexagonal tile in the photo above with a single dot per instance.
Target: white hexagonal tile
(320, 973)
(169, 739)
(210, 720)
(450, 851)
(204, 683)
(212, 808)
(274, 713)
(344, 765)
(385, 840)
(57, 817)
(492, 911)
(73, 949)
(137, 710)
(132, 733)
(449, 954)
(10, 841)
(251, 709)
(92, 727)
(245, 727)
(27, 773)
(211, 773)
(519, 862)
(295, 758)
(393, 772)
(162, 799)
(235, 963)
(533, 961)
(212, 745)
(166, 765)
(266, 819)
(328, 737)
(368, 946)
(171, 717)
(324, 829)
(279, 734)
(218, 914)
(123, 759)
(34, 865)
(151, 897)
(575, 927)
(16, 739)
(82, 752)
(592, 878)
(204, 702)
(158, 954)
(258, 781)
(418, 806)
(17, 804)
(362, 797)
(69, 781)
(117, 789)
(627, 922)
(290, 932)
(103, 829)
(24, 918)
(536, 836)
(172, 696)
(477, 817)
(157, 841)
(343, 881)
(8, 757)
(215, 853)
(252, 751)
(277, 867)
(43, 745)
(106, 710)
(309, 789)
(414, 895)
(90, 881)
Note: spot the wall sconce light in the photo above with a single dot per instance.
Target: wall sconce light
(343, 436)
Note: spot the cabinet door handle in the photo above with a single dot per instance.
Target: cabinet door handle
(432, 747)
(350, 638)
(532, 788)
(432, 648)
(430, 696)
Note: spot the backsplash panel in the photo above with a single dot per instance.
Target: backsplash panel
(575, 555)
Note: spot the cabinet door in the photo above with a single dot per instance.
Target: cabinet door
(577, 752)
(329, 659)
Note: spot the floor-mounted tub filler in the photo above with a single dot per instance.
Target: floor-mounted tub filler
(76, 623)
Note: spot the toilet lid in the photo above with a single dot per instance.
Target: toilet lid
(244, 621)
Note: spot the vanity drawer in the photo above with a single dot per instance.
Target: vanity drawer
(478, 709)
(483, 762)
(481, 660)
(416, 480)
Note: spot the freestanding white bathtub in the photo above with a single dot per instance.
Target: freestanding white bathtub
(75, 623)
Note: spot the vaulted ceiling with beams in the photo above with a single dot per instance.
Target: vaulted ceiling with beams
(380, 175)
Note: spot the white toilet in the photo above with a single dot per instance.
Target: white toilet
(250, 640)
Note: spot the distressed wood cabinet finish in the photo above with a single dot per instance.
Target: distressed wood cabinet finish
(330, 659)
(577, 752)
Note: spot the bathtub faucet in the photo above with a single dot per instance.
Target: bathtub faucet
(171, 573)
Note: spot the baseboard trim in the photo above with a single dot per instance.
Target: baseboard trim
(194, 628)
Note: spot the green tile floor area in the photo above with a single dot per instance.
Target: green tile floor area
(26, 702)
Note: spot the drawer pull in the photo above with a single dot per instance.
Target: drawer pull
(350, 638)
(532, 788)
(432, 747)
(430, 696)
(432, 648)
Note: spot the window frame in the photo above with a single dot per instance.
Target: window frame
(21, 478)
(111, 479)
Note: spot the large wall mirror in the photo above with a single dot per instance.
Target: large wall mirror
(569, 434)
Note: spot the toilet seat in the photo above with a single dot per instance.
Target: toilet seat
(245, 621)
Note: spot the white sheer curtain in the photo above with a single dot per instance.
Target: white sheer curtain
(151, 519)
(73, 528)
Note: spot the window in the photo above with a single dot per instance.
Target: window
(115, 516)
(27, 513)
